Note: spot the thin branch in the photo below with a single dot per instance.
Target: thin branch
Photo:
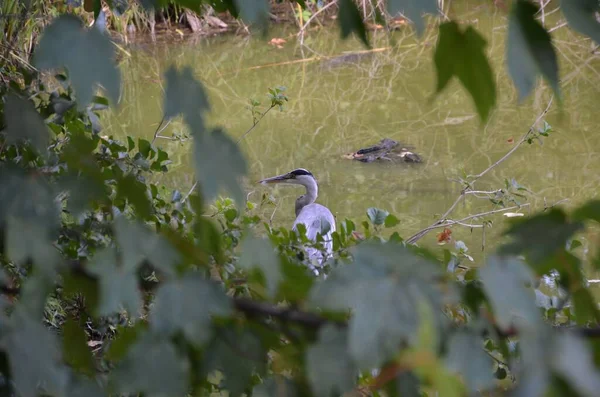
(255, 123)
(442, 221)
(521, 141)
(160, 129)
(462, 222)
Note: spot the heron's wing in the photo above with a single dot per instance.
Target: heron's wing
(313, 217)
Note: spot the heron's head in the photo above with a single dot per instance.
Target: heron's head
(299, 176)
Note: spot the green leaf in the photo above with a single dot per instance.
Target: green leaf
(253, 11)
(276, 386)
(413, 10)
(586, 307)
(331, 370)
(259, 252)
(462, 54)
(134, 191)
(29, 239)
(188, 305)
(589, 210)
(351, 21)
(138, 242)
(130, 143)
(83, 192)
(219, 165)
(296, 283)
(391, 221)
(581, 16)
(118, 283)
(126, 337)
(23, 122)
(575, 363)
(75, 349)
(504, 281)
(144, 147)
(152, 367)
(185, 95)
(540, 237)
(87, 54)
(408, 384)
(237, 355)
(467, 357)
(529, 50)
(85, 387)
(80, 285)
(34, 356)
(30, 213)
(382, 287)
(377, 216)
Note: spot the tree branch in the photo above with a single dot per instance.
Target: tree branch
(442, 221)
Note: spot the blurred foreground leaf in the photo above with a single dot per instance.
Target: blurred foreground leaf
(24, 123)
(87, 54)
(237, 355)
(581, 15)
(260, 253)
(506, 282)
(118, 283)
(382, 287)
(152, 367)
(413, 10)
(185, 95)
(462, 54)
(34, 356)
(350, 21)
(331, 370)
(254, 11)
(187, 305)
(529, 50)
(467, 357)
(75, 349)
(219, 166)
(138, 242)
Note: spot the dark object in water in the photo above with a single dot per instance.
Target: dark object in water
(387, 149)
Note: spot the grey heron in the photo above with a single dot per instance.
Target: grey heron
(315, 217)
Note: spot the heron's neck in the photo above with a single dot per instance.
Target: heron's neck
(311, 195)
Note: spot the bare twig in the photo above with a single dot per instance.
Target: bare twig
(160, 129)
(443, 220)
(518, 144)
(309, 20)
(255, 123)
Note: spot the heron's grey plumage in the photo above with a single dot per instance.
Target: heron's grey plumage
(315, 217)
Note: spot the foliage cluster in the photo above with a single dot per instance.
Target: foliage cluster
(146, 291)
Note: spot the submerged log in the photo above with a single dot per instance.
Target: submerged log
(386, 150)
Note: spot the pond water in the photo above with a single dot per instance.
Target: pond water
(332, 111)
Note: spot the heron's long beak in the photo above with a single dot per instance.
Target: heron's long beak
(276, 179)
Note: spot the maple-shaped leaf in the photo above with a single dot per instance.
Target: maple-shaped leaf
(185, 95)
(187, 305)
(152, 367)
(138, 242)
(34, 356)
(117, 281)
(219, 165)
(260, 253)
(24, 123)
(87, 54)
